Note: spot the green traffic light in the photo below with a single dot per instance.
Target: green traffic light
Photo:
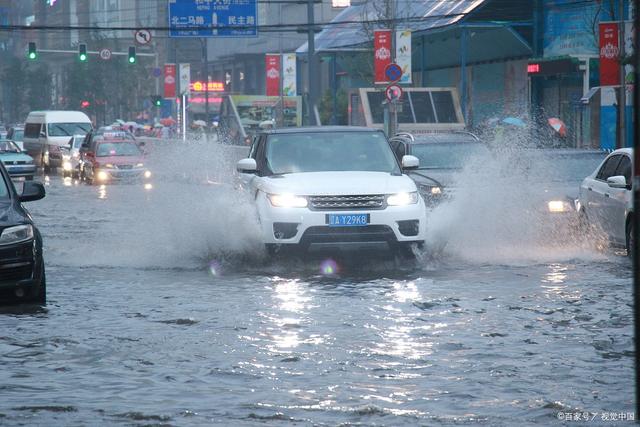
(32, 55)
(83, 57)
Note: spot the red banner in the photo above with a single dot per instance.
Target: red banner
(609, 54)
(272, 70)
(169, 80)
(382, 54)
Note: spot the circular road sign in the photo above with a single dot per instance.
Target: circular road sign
(105, 54)
(143, 36)
(393, 72)
(393, 93)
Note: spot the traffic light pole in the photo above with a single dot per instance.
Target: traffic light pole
(92, 52)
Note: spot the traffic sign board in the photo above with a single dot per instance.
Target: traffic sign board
(142, 36)
(393, 93)
(228, 18)
(393, 72)
(105, 54)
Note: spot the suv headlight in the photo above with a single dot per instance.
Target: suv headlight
(16, 234)
(403, 199)
(287, 201)
(559, 206)
(109, 166)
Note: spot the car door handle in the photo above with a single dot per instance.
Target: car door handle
(589, 188)
(606, 195)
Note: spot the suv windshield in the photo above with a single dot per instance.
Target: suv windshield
(107, 149)
(447, 156)
(68, 129)
(330, 151)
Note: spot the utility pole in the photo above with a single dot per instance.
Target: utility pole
(623, 85)
(635, 185)
(205, 55)
(312, 75)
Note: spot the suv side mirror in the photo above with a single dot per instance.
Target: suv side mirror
(247, 166)
(32, 191)
(42, 134)
(617, 181)
(410, 162)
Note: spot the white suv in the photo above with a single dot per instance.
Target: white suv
(328, 187)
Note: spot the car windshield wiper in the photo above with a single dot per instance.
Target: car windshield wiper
(63, 130)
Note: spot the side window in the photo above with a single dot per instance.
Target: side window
(608, 168)
(624, 169)
(32, 130)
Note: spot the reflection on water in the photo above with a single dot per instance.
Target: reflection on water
(102, 192)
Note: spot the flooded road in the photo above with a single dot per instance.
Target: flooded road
(163, 311)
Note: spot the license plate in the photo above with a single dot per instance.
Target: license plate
(347, 220)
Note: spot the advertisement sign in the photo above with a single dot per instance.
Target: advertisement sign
(609, 54)
(289, 74)
(382, 54)
(213, 18)
(169, 80)
(272, 70)
(185, 78)
(403, 54)
(568, 29)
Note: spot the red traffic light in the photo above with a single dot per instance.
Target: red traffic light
(85, 104)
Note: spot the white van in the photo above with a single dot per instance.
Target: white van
(46, 131)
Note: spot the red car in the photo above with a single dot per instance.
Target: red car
(109, 160)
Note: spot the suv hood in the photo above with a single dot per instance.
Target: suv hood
(337, 183)
(120, 160)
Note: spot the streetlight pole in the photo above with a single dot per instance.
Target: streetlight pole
(311, 64)
(205, 55)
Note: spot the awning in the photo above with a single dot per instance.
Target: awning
(349, 29)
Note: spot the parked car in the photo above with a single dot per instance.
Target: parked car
(22, 271)
(111, 160)
(18, 163)
(332, 187)
(606, 200)
(46, 131)
(442, 157)
(16, 134)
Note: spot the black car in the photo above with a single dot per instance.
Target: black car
(442, 157)
(22, 275)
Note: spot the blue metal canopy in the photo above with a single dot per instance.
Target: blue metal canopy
(354, 25)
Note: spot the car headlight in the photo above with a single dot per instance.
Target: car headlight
(558, 206)
(102, 176)
(109, 166)
(287, 201)
(16, 234)
(140, 165)
(147, 174)
(403, 199)
(66, 157)
(66, 165)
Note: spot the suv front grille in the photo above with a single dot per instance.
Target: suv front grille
(324, 203)
(124, 166)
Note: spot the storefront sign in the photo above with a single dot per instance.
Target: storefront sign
(609, 54)
(403, 54)
(272, 69)
(382, 54)
(169, 80)
(289, 74)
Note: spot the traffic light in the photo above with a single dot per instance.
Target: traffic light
(33, 53)
(82, 52)
(132, 54)
(156, 100)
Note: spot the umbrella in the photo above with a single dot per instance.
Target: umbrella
(558, 125)
(168, 121)
(199, 123)
(158, 125)
(514, 121)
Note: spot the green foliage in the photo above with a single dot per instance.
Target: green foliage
(326, 107)
(27, 87)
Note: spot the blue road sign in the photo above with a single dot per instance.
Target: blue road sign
(393, 72)
(213, 18)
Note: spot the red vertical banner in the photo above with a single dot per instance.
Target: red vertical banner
(382, 54)
(169, 80)
(272, 71)
(609, 54)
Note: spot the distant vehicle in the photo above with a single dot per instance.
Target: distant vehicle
(46, 131)
(16, 134)
(17, 162)
(71, 157)
(333, 187)
(442, 157)
(105, 161)
(22, 274)
(606, 199)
